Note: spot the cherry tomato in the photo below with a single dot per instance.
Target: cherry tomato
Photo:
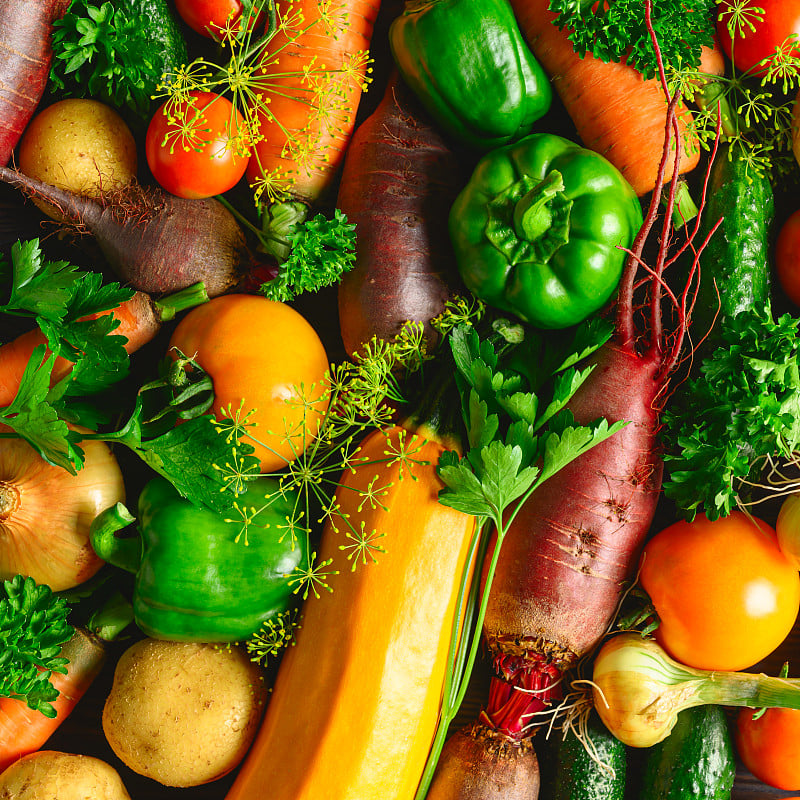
(262, 355)
(781, 19)
(725, 593)
(211, 17)
(787, 257)
(195, 148)
(770, 746)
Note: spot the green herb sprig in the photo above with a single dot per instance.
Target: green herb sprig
(321, 251)
(33, 627)
(615, 30)
(520, 434)
(111, 52)
(742, 412)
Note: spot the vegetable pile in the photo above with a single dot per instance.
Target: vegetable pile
(400, 399)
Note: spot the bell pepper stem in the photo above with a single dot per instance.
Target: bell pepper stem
(123, 552)
(532, 213)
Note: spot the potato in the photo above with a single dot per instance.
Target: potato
(80, 145)
(183, 713)
(49, 775)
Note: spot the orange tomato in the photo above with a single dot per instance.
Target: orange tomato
(770, 746)
(725, 593)
(265, 356)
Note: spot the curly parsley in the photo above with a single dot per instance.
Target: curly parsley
(616, 31)
(743, 410)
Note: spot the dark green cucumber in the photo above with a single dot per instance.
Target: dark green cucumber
(695, 762)
(579, 777)
(736, 261)
(168, 47)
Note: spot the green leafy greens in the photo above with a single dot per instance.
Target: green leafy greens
(114, 52)
(33, 627)
(724, 427)
(321, 250)
(615, 30)
(519, 434)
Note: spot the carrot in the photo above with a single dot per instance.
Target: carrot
(303, 134)
(154, 241)
(23, 730)
(25, 55)
(398, 184)
(574, 543)
(615, 110)
(139, 319)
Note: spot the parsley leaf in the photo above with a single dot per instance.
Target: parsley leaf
(33, 627)
(516, 441)
(743, 409)
(322, 250)
(114, 52)
(59, 296)
(615, 30)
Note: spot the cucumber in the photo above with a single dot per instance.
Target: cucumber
(163, 32)
(737, 255)
(579, 777)
(695, 762)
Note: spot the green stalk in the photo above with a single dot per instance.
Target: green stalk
(639, 690)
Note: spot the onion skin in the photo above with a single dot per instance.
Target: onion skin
(45, 513)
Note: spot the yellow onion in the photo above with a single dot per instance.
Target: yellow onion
(639, 690)
(45, 513)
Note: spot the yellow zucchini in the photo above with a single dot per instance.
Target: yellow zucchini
(356, 700)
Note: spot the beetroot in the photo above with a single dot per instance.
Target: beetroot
(26, 30)
(154, 241)
(398, 184)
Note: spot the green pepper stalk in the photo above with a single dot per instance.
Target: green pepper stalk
(639, 690)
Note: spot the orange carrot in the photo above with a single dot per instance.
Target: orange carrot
(616, 111)
(139, 321)
(303, 133)
(23, 730)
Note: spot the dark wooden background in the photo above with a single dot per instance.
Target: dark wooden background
(82, 732)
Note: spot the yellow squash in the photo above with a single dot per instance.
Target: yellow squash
(356, 701)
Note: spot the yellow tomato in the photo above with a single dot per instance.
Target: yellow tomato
(266, 362)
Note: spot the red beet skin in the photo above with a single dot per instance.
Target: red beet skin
(399, 182)
(25, 53)
(574, 542)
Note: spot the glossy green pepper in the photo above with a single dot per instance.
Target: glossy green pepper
(468, 63)
(539, 228)
(194, 580)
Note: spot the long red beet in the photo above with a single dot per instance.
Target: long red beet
(567, 553)
(25, 54)
(398, 184)
(154, 241)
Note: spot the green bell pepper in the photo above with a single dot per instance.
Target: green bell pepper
(538, 229)
(468, 63)
(194, 580)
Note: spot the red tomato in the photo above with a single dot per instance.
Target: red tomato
(781, 19)
(787, 257)
(211, 17)
(725, 593)
(770, 746)
(208, 17)
(194, 148)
